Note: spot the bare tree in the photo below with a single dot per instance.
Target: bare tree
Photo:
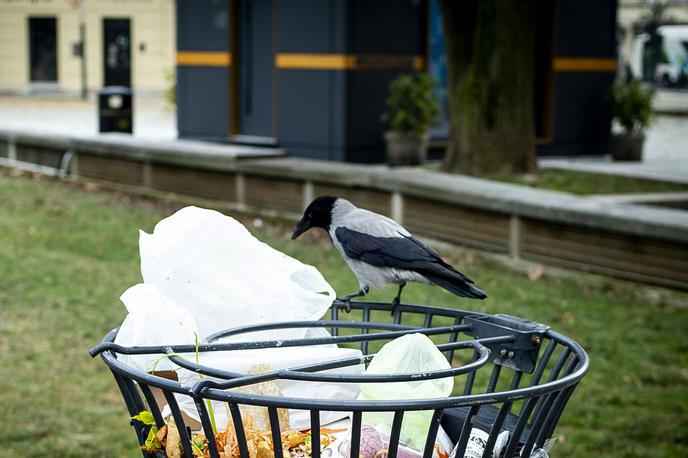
(490, 64)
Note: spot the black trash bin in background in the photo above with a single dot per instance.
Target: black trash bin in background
(115, 109)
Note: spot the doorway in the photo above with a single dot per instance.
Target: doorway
(256, 68)
(116, 52)
(43, 49)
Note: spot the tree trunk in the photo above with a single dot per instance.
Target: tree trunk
(490, 63)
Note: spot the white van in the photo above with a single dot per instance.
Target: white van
(672, 65)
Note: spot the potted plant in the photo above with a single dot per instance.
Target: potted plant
(411, 107)
(631, 106)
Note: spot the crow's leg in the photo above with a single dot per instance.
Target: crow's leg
(397, 299)
(347, 299)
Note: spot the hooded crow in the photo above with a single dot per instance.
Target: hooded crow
(379, 251)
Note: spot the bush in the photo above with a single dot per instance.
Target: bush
(411, 104)
(631, 105)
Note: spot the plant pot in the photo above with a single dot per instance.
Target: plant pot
(406, 149)
(626, 147)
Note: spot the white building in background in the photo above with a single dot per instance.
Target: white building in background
(127, 42)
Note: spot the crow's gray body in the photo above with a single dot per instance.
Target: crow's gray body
(346, 215)
(379, 251)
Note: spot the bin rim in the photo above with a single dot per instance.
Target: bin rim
(202, 389)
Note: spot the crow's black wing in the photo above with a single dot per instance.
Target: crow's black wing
(405, 252)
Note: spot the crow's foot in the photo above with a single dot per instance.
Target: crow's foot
(397, 300)
(347, 299)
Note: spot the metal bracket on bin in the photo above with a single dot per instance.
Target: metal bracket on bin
(522, 353)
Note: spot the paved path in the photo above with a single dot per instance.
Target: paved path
(665, 155)
(153, 118)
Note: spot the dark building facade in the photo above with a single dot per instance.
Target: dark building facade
(312, 76)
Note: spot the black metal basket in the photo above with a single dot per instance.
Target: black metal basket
(503, 363)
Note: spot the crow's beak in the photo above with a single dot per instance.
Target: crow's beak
(300, 228)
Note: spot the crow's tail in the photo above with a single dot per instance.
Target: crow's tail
(458, 286)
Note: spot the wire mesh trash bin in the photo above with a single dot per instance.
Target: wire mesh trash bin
(115, 109)
(510, 374)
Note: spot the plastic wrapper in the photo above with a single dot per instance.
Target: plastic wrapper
(374, 444)
(153, 320)
(203, 272)
(412, 353)
(213, 267)
(279, 358)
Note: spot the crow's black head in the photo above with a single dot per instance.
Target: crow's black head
(317, 214)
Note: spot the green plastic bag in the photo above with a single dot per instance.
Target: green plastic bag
(412, 353)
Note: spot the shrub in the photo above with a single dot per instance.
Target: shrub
(411, 104)
(631, 105)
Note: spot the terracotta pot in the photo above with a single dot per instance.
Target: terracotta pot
(626, 147)
(406, 149)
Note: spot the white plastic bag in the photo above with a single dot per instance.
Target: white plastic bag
(204, 272)
(412, 353)
(212, 267)
(153, 320)
(276, 359)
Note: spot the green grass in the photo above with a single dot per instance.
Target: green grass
(66, 254)
(589, 183)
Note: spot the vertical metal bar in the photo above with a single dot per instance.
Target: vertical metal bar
(315, 434)
(139, 429)
(239, 430)
(366, 318)
(542, 364)
(355, 434)
(544, 402)
(524, 414)
(529, 405)
(137, 401)
(563, 356)
(152, 404)
(397, 315)
(207, 426)
(466, 431)
(395, 433)
(558, 409)
(179, 422)
(124, 389)
(428, 320)
(432, 433)
(474, 410)
(470, 378)
(494, 377)
(276, 433)
(334, 314)
(544, 410)
(499, 419)
(452, 338)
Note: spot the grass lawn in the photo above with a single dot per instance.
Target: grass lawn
(67, 252)
(589, 183)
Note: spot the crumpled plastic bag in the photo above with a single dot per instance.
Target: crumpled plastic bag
(406, 354)
(213, 267)
(204, 272)
(280, 358)
(153, 320)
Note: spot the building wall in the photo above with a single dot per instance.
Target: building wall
(585, 66)
(152, 25)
